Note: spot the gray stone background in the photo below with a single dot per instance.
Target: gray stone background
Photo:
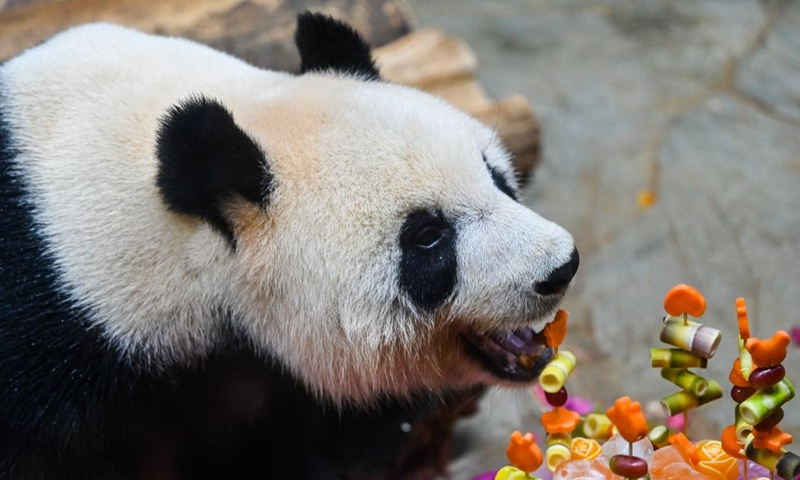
(697, 101)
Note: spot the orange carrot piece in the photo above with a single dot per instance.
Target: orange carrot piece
(770, 352)
(523, 452)
(731, 444)
(744, 323)
(684, 299)
(774, 439)
(556, 331)
(560, 420)
(685, 447)
(627, 416)
(736, 377)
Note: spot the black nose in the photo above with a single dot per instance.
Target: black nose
(559, 279)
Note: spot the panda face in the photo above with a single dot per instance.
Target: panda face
(379, 246)
(393, 244)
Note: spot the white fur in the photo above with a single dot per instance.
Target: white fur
(315, 280)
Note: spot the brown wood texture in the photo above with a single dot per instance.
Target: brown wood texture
(260, 32)
(445, 66)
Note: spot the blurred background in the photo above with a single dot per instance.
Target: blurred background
(664, 135)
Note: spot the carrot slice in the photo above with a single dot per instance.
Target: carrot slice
(627, 416)
(556, 331)
(731, 444)
(744, 323)
(684, 299)
(774, 439)
(736, 377)
(560, 420)
(523, 452)
(770, 352)
(686, 448)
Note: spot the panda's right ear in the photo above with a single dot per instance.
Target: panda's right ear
(206, 160)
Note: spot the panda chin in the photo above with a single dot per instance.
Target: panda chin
(514, 355)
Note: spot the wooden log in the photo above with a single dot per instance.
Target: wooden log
(260, 32)
(446, 67)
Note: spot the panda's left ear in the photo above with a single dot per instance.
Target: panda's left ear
(206, 160)
(326, 44)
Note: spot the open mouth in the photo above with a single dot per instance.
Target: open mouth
(518, 355)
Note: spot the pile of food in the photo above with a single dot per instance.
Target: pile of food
(619, 444)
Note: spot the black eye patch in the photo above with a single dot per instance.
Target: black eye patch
(428, 265)
(500, 181)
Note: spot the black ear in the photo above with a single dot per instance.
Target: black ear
(206, 159)
(328, 44)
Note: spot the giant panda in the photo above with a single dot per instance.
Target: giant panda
(209, 270)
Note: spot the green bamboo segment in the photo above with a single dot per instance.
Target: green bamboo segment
(745, 359)
(558, 449)
(785, 464)
(691, 336)
(765, 401)
(659, 436)
(597, 426)
(763, 456)
(714, 392)
(555, 374)
(680, 402)
(558, 439)
(743, 429)
(690, 382)
(788, 466)
(675, 358)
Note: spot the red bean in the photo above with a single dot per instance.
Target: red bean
(740, 394)
(558, 399)
(628, 466)
(766, 376)
(773, 419)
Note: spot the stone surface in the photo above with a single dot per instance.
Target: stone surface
(696, 101)
(771, 75)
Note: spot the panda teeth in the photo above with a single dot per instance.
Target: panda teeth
(539, 325)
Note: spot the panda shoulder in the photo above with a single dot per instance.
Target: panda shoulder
(89, 37)
(108, 43)
(97, 31)
(117, 39)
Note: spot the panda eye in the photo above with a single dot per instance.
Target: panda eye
(428, 237)
(428, 264)
(425, 231)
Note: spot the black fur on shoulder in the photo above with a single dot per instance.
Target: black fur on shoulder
(63, 387)
(328, 44)
(206, 159)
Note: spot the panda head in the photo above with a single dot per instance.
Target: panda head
(375, 234)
